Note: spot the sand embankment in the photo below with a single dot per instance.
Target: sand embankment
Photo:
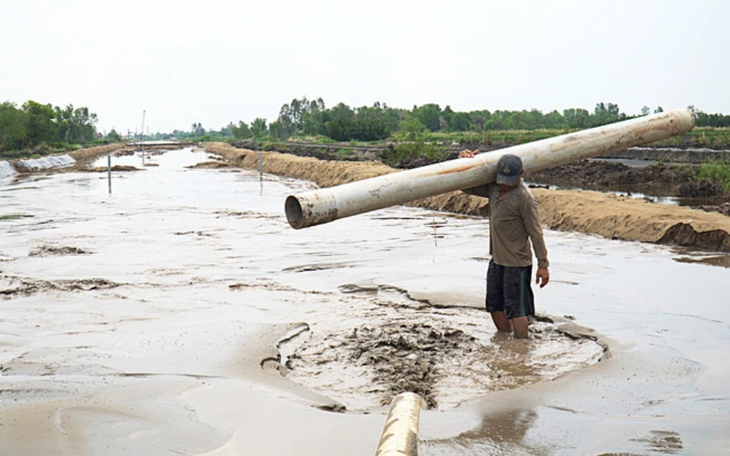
(589, 212)
(84, 156)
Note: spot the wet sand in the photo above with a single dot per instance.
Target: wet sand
(160, 320)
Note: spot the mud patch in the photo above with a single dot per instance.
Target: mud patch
(102, 169)
(657, 442)
(684, 234)
(210, 165)
(666, 442)
(47, 250)
(244, 214)
(446, 355)
(723, 260)
(15, 216)
(317, 267)
(405, 357)
(268, 284)
(27, 287)
(723, 208)
(197, 233)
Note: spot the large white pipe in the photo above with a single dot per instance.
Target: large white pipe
(400, 433)
(328, 204)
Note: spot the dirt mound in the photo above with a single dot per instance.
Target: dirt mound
(84, 156)
(608, 215)
(657, 179)
(403, 357)
(210, 165)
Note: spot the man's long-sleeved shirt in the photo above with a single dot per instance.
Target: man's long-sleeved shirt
(514, 221)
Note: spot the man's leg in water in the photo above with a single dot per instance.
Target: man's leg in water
(520, 326)
(501, 322)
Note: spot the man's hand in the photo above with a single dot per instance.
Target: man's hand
(466, 153)
(542, 277)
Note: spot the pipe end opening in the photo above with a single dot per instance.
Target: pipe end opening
(293, 211)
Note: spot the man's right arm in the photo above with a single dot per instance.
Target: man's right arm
(480, 190)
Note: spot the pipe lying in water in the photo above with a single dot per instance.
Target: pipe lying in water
(400, 433)
(328, 204)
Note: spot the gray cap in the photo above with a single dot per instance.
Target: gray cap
(509, 168)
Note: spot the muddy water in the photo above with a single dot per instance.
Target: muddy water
(181, 314)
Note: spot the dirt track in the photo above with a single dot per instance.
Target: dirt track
(607, 215)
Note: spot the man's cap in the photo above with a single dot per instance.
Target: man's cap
(509, 168)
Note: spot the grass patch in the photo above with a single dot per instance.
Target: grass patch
(716, 171)
(274, 146)
(344, 153)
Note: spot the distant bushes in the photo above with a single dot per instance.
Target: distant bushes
(43, 128)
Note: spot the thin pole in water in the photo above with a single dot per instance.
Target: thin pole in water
(261, 172)
(109, 170)
(435, 237)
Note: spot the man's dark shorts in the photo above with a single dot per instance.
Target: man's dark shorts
(508, 290)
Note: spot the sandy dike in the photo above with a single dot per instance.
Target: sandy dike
(608, 215)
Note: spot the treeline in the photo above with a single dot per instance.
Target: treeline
(303, 117)
(34, 125)
(711, 120)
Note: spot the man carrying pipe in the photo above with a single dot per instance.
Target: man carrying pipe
(514, 223)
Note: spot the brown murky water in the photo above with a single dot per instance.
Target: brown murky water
(182, 315)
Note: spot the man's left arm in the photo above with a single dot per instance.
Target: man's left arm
(531, 217)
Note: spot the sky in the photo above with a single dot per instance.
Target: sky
(215, 62)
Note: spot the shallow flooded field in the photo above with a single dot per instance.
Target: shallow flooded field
(181, 314)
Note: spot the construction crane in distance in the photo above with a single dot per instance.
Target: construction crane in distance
(141, 132)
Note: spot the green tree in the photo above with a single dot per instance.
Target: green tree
(413, 144)
(429, 115)
(392, 117)
(554, 120)
(342, 123)
(12, 127)
(446, 115)
(460, 121)
(480, 119)
(499, 120)
(259, 129)
(369, 124)
(241, 131)
(75, 125)
(314, 118)
(227, 130)
(196, 129)
(114, 136)
(276, 130)
(577, 118)
(301, 116)
(40, 126)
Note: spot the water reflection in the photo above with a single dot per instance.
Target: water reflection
(500, 433)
